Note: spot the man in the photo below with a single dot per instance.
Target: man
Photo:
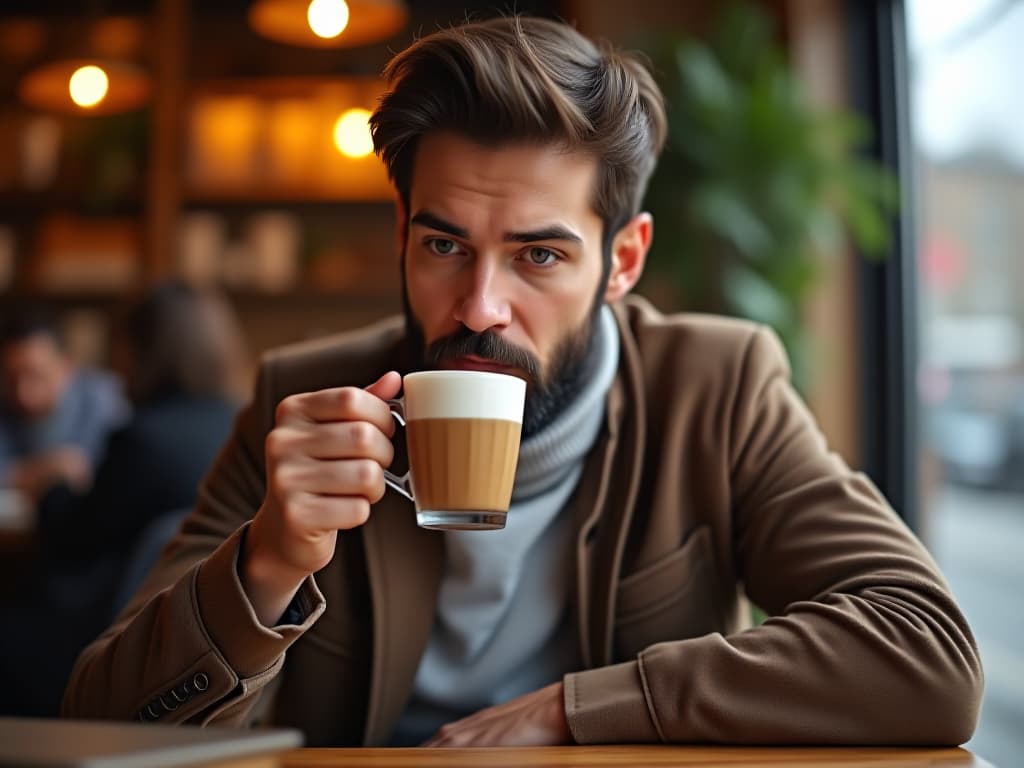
(666, 462)
(54, 417)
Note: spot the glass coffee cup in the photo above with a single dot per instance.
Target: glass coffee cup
(462, 434)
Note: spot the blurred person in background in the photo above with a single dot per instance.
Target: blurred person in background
(55, 417)
(180, 352)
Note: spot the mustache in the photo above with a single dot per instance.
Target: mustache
(487, 345)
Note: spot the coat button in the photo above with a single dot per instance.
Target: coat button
(201, 681)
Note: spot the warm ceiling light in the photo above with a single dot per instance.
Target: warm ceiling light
(327, 18)
(319, 24)
(88, 85)
(80, 86)
(352, 133)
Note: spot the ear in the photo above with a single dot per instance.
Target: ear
(629, 254)
(401, 223)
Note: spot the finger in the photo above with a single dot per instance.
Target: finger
(338, 404)
(332, 440)
(387, 386)
(456, 739)
(451, 734)
(342, 477)
(325, 513)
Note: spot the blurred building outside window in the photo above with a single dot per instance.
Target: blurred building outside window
(966, 62)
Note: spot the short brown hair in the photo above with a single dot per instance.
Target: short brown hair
(525, 79)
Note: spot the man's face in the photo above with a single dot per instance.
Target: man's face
(502, 260)
(35, 374)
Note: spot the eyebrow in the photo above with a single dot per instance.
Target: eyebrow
(427, 219)
(553, 232)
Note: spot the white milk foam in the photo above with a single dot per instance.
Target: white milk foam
(463, 395)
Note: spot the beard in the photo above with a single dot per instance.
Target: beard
(548, 391)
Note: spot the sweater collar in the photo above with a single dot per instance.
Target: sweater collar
(546, 457)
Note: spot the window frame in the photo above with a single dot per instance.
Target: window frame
(887, 289)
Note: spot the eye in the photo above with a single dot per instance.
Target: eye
(542, 257)
(442, 246)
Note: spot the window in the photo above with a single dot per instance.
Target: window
(967, 154)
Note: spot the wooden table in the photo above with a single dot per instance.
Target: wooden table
(634, 757)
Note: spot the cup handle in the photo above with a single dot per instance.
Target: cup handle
(400, 483)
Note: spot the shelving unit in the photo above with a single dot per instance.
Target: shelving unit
(300, 238)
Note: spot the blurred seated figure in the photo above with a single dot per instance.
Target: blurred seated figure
(54, 416)
(179, 351)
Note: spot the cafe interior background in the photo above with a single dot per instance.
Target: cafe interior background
(851, 173)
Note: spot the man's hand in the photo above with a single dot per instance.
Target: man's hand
(325, 466)
(534, 720)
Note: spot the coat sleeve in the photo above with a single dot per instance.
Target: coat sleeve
(188, 647)
(865, 644)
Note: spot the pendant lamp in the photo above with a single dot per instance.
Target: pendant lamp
(327, 23)
(85, 86)
(101, 80)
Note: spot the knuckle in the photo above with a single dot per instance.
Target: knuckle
(281, 478)
(275, 478)
(368, 474)
(361, 434)
(347, 399)
(376, 493)
(389, 454)
(276, 444)
(359, 512)
(286, 409)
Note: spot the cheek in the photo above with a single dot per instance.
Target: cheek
(556, 314)
(429, 300)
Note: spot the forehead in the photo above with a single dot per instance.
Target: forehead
(512, 184)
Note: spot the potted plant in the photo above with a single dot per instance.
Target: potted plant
(755, 185)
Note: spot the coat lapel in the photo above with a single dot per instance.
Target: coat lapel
(404, 564)
(605, 503)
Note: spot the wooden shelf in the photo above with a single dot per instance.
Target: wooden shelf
(301, 296)
(21, 203)
(303, 195)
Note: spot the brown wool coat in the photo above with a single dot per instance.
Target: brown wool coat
(710, 480)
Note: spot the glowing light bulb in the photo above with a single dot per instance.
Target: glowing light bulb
(327, 18)
(352, 133)
(88, 86)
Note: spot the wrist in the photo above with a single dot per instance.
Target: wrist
(268, 582)
(561, 719)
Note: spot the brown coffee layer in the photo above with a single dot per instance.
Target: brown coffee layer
(463, 463)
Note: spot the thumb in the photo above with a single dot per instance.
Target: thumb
(387, 386)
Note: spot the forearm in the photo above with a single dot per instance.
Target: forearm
(890, 666)
(202, 625)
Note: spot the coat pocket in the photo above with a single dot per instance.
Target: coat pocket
(674, 598)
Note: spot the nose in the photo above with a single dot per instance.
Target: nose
(484, 305)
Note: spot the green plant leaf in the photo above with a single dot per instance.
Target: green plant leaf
(756, 187)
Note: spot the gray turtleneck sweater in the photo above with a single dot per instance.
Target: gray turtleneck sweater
(502, 626)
